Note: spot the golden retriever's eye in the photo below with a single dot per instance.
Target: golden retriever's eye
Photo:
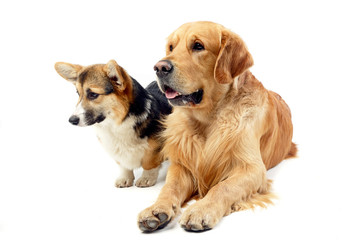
(198, 47)
(171, 48)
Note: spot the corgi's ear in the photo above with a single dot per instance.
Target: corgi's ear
(68, 71)
(118, 76)
(233, 59)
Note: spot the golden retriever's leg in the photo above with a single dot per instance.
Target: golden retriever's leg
(206, 213)
(177, 189)
(248, 178)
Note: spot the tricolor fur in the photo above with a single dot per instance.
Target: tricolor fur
(127, 117)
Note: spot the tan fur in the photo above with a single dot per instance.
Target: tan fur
(119, 102)
(221, 148)
(115, 106)
(152, 158)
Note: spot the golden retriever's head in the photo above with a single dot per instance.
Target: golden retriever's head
(202, 59)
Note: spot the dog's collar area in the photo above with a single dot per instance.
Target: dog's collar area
(178, 99)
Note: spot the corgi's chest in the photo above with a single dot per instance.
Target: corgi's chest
(122, 142)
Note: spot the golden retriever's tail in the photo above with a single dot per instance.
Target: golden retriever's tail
(293, 151)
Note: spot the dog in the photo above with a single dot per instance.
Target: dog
(127, 117)
(225, 131)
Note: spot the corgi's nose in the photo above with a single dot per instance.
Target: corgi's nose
(74, 120)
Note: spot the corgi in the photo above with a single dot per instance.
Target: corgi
(126, 117)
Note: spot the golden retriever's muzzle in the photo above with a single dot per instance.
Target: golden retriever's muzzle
(164, 71)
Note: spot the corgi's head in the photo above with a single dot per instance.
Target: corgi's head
(105, 91)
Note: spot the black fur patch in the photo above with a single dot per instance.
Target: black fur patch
(108, 88)
(82, 77)
(149, 106)
(91, 119)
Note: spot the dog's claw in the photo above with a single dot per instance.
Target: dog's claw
(193, 228)
(162, 217)
(149, 226)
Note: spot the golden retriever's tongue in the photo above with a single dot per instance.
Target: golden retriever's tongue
(171, 93)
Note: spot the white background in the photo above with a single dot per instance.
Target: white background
(56, 181)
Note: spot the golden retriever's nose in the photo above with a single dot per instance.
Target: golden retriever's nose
(163, 68)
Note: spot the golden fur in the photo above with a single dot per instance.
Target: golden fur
(221, 148)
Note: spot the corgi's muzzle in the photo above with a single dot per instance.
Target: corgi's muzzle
(74, 120)
(86, 119)
(83, 118)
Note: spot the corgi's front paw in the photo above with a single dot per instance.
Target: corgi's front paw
(148, 178)
(124, 182)
(145, 182)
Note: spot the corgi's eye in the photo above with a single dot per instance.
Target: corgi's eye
(92, 95)
(171, 48)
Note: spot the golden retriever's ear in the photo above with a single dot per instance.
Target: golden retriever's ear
(233, 58)
(68, 71)
(117, 75)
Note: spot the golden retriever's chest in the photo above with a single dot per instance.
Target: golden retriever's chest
(200, 151)
(184, 147)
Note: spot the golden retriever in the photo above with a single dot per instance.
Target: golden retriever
(225, 131)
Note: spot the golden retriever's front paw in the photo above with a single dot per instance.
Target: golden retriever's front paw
(199, 218)
(155, 217)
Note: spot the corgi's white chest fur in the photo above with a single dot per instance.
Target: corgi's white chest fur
(122, 142)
